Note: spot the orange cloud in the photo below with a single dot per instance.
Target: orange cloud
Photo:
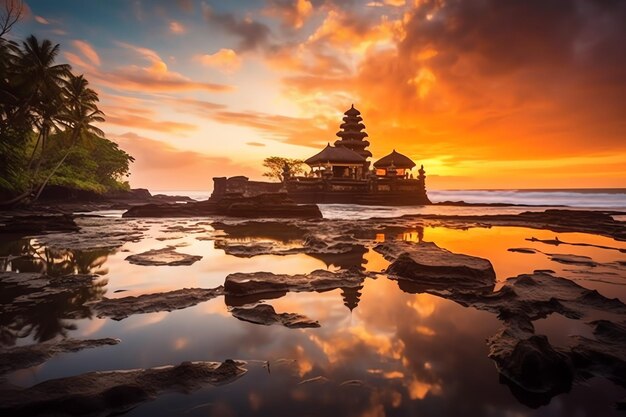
(464, 90)
(140, 122)
(159, 165)
(156, 77)
(87, 51)
(292, 13)
(225, 60)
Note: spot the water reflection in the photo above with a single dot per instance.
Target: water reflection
(27, 255)
(383, 348)
(42, 314)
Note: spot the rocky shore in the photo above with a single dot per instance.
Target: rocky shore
(527, 362)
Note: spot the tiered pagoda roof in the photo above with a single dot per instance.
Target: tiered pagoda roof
(352, 134)
(335, 155)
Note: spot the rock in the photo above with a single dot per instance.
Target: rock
(163, 257)
(557, 242)
(120, 308)
(189, 209)
(261, 283)
(30, 225)
(533, 364)
(26, 356)
(274, 230)
(572, 259)
(605, 356)
(172, 198)
(114, 392)
(429, 265)
(556, 220)
(96, 232)
(528, 364)
(522, 250)
(27, 297)
(266, 315)
(271, 205)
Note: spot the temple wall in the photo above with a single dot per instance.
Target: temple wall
(243, 186)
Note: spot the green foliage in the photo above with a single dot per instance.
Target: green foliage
(47, 134)
(275, 166)
(93, 164)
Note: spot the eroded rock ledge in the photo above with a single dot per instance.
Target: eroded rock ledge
(266, 315)
(556, 220)
(271, 205)
(121, 308)
(113, 392)
(167, 256)
(428, 265)
(535, 370)
(26, 356)
(245, 284)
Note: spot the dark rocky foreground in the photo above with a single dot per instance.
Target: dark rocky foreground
(26, 356)
(114, 392)
(534, 370)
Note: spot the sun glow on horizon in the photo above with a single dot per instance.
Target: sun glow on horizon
(197, 90)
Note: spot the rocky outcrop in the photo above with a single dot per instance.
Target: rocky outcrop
(22, 357)
(432, 267)
(29, 225)
(114, 392)
(255, 283)
(276, 205)
(120, 308)
(534, 370)
(266, 315)
(167, 256)
(556, 220)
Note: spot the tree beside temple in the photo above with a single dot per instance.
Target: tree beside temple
(275, 166)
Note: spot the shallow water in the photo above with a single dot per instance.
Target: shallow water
(588, 198)
(379, 350)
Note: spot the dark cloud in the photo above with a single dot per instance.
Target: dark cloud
(568, 55)
(252, 34)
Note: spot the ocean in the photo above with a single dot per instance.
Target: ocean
(594, 199)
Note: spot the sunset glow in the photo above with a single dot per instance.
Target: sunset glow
(491, 94)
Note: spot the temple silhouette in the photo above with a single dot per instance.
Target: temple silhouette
(341, 173)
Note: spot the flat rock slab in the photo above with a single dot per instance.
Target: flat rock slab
(163, 257)
(113, 392)
(523, 250)
(121, 308)
(437, 268)
(266, 315)
(572, 259)
(28, 225)
(26, 356)
(245, 284)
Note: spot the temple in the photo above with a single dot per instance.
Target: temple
(342, 174)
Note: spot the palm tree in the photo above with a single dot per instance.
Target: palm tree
(38, 80)
(80, 111)
(42, 80)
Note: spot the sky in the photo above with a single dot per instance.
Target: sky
(483, 93)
